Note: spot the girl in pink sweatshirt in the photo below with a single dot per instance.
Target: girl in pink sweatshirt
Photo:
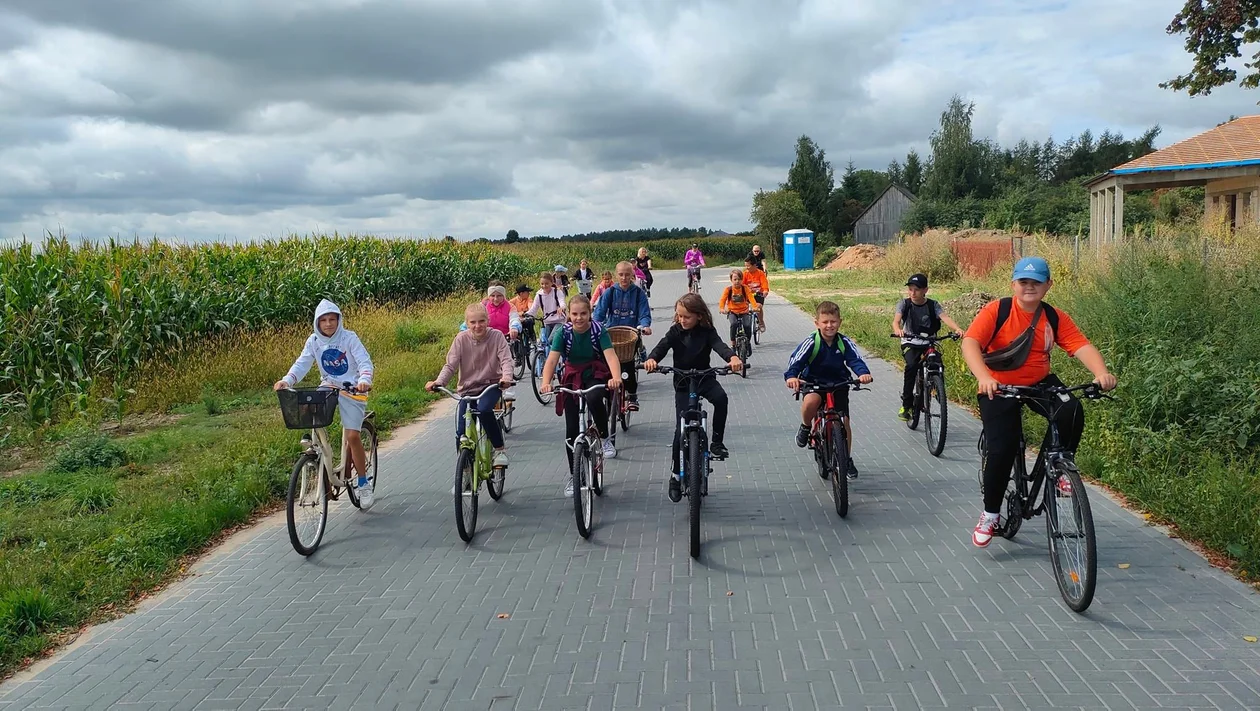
(482, 358)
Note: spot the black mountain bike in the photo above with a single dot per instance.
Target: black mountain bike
(523, 348)
(743, 340)
(929, 394)
(1069, 521)
(828, 440)
(695, 460)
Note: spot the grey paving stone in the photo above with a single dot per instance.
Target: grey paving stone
(891, 608)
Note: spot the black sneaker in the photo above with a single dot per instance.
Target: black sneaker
(675, 488)
(802, 436)
(718, 451)
(852, 470)
(632, 402)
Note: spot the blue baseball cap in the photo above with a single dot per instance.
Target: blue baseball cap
(1034, 268)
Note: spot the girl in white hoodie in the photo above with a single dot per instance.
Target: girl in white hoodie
(342, 358)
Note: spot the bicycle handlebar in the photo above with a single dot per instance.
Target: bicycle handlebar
(469, 398)
(926, 337)
(587, 391)
(1091, 391)
(808, 387)
(692, 372)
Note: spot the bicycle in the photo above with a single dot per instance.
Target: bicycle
(743, 343)
(588, 463)
(693, 280)
(828, 440)
(584, 286)
(473, 465)
(694, 458)
(1074, 555)
(541, 350)
(929, 394)
(618, 404)
(315, 478)
(523, 348)
(759, 322)
(641, 280)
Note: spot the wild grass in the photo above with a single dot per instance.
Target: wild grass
(1174, 316)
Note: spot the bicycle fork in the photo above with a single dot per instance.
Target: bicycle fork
(686, 426)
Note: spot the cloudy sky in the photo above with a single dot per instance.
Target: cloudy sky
(191, 119)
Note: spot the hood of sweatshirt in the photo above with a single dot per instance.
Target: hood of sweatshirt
(328, 307)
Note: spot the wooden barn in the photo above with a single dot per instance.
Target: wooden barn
(880, 222)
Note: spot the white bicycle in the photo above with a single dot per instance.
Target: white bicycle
(315, 477)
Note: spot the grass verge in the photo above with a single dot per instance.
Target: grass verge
(113, 516)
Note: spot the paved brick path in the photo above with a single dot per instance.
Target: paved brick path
(789, 608)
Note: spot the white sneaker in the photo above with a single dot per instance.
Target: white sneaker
(568, 487)
(610, 450)
(500, 459)
(509, 394)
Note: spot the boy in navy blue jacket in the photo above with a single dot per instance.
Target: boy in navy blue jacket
(827, 356)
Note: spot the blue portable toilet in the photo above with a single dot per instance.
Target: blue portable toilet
(798, 250)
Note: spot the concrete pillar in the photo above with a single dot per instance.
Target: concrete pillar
(1118, 235)
(1095, 219)
(1255, 206)
(1107, 205)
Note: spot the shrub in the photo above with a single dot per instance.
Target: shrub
(90, 451)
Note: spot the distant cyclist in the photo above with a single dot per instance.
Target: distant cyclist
(694, 259)
(643, 265)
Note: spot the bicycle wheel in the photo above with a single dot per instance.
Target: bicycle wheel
(583, 495)
(756, 336)
(535, 381)
(741, 349)
(695, 484)
(623, 417)
(838, 464)
(519, 359)
(614, 408)
(307, 505)
(362, 490)
(494, 485)
(916, 408)
(1070, 536)
(935, 414)
(466, 494)
(505, 414)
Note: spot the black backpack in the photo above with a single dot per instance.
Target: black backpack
(934, 323)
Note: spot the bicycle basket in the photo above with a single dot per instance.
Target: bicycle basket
(304, 408)
(624, 340)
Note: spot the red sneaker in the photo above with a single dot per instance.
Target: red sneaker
(983, 532)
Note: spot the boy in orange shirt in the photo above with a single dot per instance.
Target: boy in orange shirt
(757, 280)
(738, 302)
(1029, 316)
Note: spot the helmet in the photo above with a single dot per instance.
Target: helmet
(560, 268)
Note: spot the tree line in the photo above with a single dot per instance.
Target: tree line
(646, 234)
(966, 181)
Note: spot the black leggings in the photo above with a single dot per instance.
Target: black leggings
(735, 319)
(711, 390)
(647, 278)
(912, 354)
(631, 377)
(1002, 428)
(598, 405)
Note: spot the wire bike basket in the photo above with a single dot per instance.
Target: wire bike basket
(307, 408)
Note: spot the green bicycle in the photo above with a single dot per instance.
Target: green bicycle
(473, 466)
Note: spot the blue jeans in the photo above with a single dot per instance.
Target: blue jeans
(485, 413)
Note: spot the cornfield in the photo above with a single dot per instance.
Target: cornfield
(76, 320)
(604, 255)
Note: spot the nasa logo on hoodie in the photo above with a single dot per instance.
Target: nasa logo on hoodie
(334, 362)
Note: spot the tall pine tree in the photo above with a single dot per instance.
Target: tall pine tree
(811, 178)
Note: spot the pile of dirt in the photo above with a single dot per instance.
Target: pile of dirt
(859, 256)
(968, 304)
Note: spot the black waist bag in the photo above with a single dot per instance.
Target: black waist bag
(1016, 352)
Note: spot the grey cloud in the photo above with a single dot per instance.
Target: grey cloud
(421, 43)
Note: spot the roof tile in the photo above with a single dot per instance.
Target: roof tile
(1234, 141)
